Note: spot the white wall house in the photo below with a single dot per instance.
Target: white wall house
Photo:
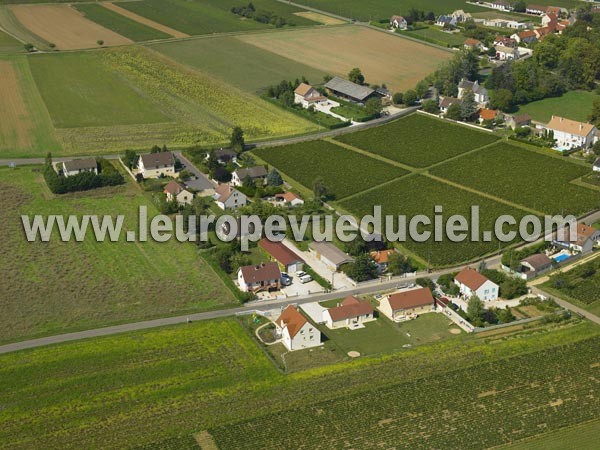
(260, 277)
(306, 95)
(352, 313)
(257, 174)
(479, 92)
(227, 197)
(408, 304)
(570, 134)
(175, 191)
(472, 283)
(398, 22)
(77, 166)
(295, 331)
(154, 165)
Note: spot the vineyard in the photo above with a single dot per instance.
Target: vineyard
(417, 194)
(418, 140)
(345, 172)
(507, 171)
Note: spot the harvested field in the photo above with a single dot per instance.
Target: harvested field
(15, 124)
(65, 27)
(319, 18)
(143, 20)
(351, 46)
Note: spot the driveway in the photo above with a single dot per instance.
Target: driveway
(200, 182)
(298, 289)
(326, 109)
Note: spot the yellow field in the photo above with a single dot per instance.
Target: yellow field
(144, 20)
(65, 27)
(399, 63)
(319, 18)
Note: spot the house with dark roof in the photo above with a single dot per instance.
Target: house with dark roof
(398, 22)
(472, 283)
(259, 278)
(176, 192)
(480, 93)
(295, 331)
(518, 121)
(406, 305)
(77, 166)
(446, 21)
(349, 90)
(287, 259)
(223, 155)
(534, 265)
(155, 165)
(256, 174)
(227, 197)
(447, 102)
(351, 313)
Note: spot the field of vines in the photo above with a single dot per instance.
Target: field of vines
(418, 140)
(466, 408)
(418, 194)
(523, 177)
(344, 171)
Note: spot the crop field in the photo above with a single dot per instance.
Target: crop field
(575, 105)
(580, 285)
(159, 386)
(9, 44)
(319, 18)
(344, 171)
(65, 27)
(25, 125)
(546, 189)
(580, 437)
(433, 33)
(223, 58)
(58, 286)
(414, 195)
(209, 16)
(418, 140)
(125, 26)
(351, 46)
(144, 20)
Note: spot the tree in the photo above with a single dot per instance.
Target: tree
(431, 107)
(274, 178)
(426, 282)
(246, 160)
(100, 42)
(505, 315)
(468, 107)
(237, 139)
(373, 106)
(519, 6)
(454, 112)
(422, 88)
(29, 47)
(594, 116)
(248, 182)
(319, 188)
(155, 149)
(327, 78)
(362, 269)
(356, 76)
(130, 159)
(475, 310)
(398, 98)
(410, 98)
(596, 148)
(522, 132)
(221, 174)
(399, 264)
(503, 100)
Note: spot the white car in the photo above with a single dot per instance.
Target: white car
(303, 277)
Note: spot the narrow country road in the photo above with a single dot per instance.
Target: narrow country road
(565, 304)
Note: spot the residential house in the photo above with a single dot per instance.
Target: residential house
(505, 41)
(506, 53)
(583, 241)
(398, 22)
(295, 331)
(518, 121)
(461, 16)
(155, 165)
(352, 313)
(405, 305)
(349, 90)
(550, 20)
(223, 155)
(77, 166)
(534, 265)
(525, 37)
(329, 254)
(504, 23)
(542, 32)
(227, 197)
(474, 44)
(472, 283)
(256, 174)
(260, 277)
(381, 258)
(287, 259)
(489, 114)
(570, 134)
(537, 10)
(289, 198)
(306, 95)
(177, 192)
(501, 5)
(446, 21)
(447, 102)
(480, 93)
(596, 166)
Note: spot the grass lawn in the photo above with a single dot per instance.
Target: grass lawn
(580, 437)
(58, 286)
(240, 64)
(124, 26)
(433, 34)
(575, 105)
(9, 44)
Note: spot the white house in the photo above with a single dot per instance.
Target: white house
(261, 277)
(407, 305)
(446, 21)
(506, 53)
(154, 165)
(77, 166)
(480, 93)
(398, 22)
(461, 16)
(447, 102)
(227, 197)
(472, 283)
(570, 134)
(525, 37)
(295, 331)
(306, 95)
(289, 198)
(501, 5)
(177, 192)
(474, 44)
(583, 241)
(538, 10)
(257, 173)
(503, 23)
(352, 313)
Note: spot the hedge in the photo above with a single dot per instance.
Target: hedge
(108, 176)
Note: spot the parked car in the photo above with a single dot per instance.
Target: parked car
(303, 277)
(286, 280)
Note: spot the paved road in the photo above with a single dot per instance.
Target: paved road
(201, 182)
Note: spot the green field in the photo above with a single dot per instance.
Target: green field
(243, 65)
(418, 140)
(579, 437)
(79, 91)
(415, 195)
(155, 388)
(9, 44)
(308, 161)
(575, 105)
(124, 26)
(533, 180)
(434, 35)
(58, 286)
(209, 16)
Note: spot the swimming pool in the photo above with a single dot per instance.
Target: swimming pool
(561, 258)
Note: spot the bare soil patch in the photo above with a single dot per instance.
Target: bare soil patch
(144, 20)
(15, 123)
(319, 18)
(65, 27)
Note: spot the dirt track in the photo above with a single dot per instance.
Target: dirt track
(144, 21)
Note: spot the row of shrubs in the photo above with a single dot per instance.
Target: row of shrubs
(107, 176)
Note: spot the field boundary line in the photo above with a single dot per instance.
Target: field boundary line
(579, 182)
(470, 152)
(372, 188)
(371, 155)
